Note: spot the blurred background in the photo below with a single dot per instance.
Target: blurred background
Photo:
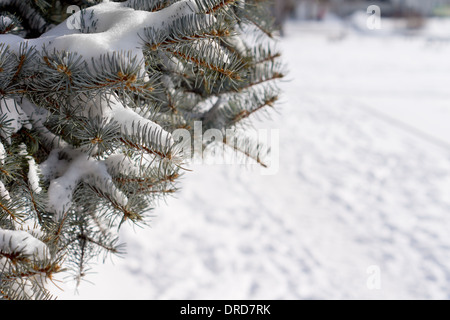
(359, 207)
(414, 13)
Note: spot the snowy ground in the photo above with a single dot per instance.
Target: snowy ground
(362, 193)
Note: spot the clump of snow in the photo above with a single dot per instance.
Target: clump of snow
(15, 117)
(111, 109)
(82, 168)
(117, 30)
(33, 169)
(22, 242)
(4, 192)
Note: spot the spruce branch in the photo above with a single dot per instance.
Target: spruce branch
(87, 114)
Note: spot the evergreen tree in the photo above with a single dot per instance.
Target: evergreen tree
(91, 104)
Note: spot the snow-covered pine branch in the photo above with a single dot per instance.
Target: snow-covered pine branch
(88, 106)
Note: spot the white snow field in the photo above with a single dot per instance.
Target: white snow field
(360, 205)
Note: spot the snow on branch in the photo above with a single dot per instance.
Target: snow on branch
(15, 243)
(81, 169)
